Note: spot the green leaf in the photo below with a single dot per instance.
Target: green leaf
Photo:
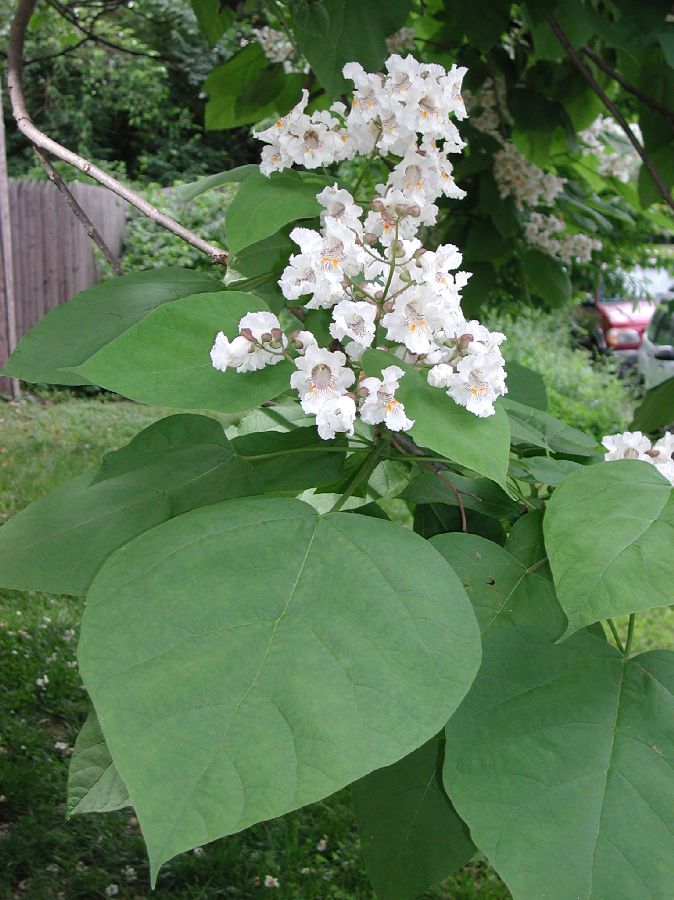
(237, 175)
(276, 656)
(544, 469)
(214, 18)
(58, 542)
(546, 278)
(164, 360)
(440, 518)
(503, 589)
(479, 494)
(293, 461)
(94, 784)
(484, 242)
(483, 21)
(649, 192)
(482, 445)
(560, 758)
(71, 333)
(537, 428)
(525, 541)
(410, 834)
(334, 32)
(526, 386)
(608, 532)
(656, 410)
(263, 205)
(248, 89)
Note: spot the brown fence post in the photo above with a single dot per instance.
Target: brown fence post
(7, 297)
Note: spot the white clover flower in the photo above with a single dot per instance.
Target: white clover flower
(260, 343)
(628, 445)
(321, 375)
(380, 405)
(336, 415)
(354, 319)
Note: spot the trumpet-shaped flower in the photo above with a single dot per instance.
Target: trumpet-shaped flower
(321, 376)
(336, 416)
(380, 404)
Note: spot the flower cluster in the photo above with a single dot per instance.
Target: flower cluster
(367, 264)
(635, 445)
(544, 232)
(522, 180)
(278, 49)
(600, 139)
(401, 40)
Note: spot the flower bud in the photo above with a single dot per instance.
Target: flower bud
(248, 334)
(389, 306)
(370, 239)
(405, 276)
(378, 295)
(419, 253)
(399, 250)
(276, 334)
(377, 204)
(276, 345)
(414, 210)
(464, 340)
(266, 337)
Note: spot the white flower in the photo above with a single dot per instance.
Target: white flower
(271, 882)
(321, 846)
(61, 746)
(112, 890)
(321, 376)
(130, 874)
(478, 380)
(628, 445)
(259, 344)
(664, 447)
(401, 40)
(354, 319)
(336, 415)
(380, 405)
(340, 205)
(415, 316)
(302, 340)
(43, 681)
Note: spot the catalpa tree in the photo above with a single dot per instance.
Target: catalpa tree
(258, 633)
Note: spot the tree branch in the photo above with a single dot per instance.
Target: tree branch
(80, 214)
(612, 108)
(642, 96)
(91, 35)
(24, 11)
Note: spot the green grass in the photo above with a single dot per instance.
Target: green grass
(42, 444)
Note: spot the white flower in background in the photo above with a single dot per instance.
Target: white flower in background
(336, 416)
(43, 681)
(321, 376)
(635, 445)
(604, 138)
(271, 882)
(380, 405)
(545, 233)
(520, 179)
(354, 319)
(401, 40)
(302, 340)
(277, 48)
(260, 343)
(628, 445)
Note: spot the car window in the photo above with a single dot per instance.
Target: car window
(664, 332)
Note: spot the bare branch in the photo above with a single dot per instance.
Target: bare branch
(642, 96)
(612, 108)
(80, 214)
(24, 11)
(91, 35)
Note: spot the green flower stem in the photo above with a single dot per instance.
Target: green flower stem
(616, 635)
(363, 473)
(630, 634)
(394, 247)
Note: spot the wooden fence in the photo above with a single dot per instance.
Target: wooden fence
(52, 255)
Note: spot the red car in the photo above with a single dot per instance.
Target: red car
(613, 324)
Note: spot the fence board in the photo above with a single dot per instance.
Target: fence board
(53, 257)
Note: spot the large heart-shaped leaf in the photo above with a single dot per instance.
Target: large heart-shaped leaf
(58, 542)
(275, 656)
(94, 784)
(164, 359)
(482, 445)
(410, 834)
(263, 205)
(293, 460)
(609, 532)
(335, 32)
(656, 410)
(74, 331)
(560, 757)
(540, 429)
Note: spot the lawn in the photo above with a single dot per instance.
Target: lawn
(313, 853)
